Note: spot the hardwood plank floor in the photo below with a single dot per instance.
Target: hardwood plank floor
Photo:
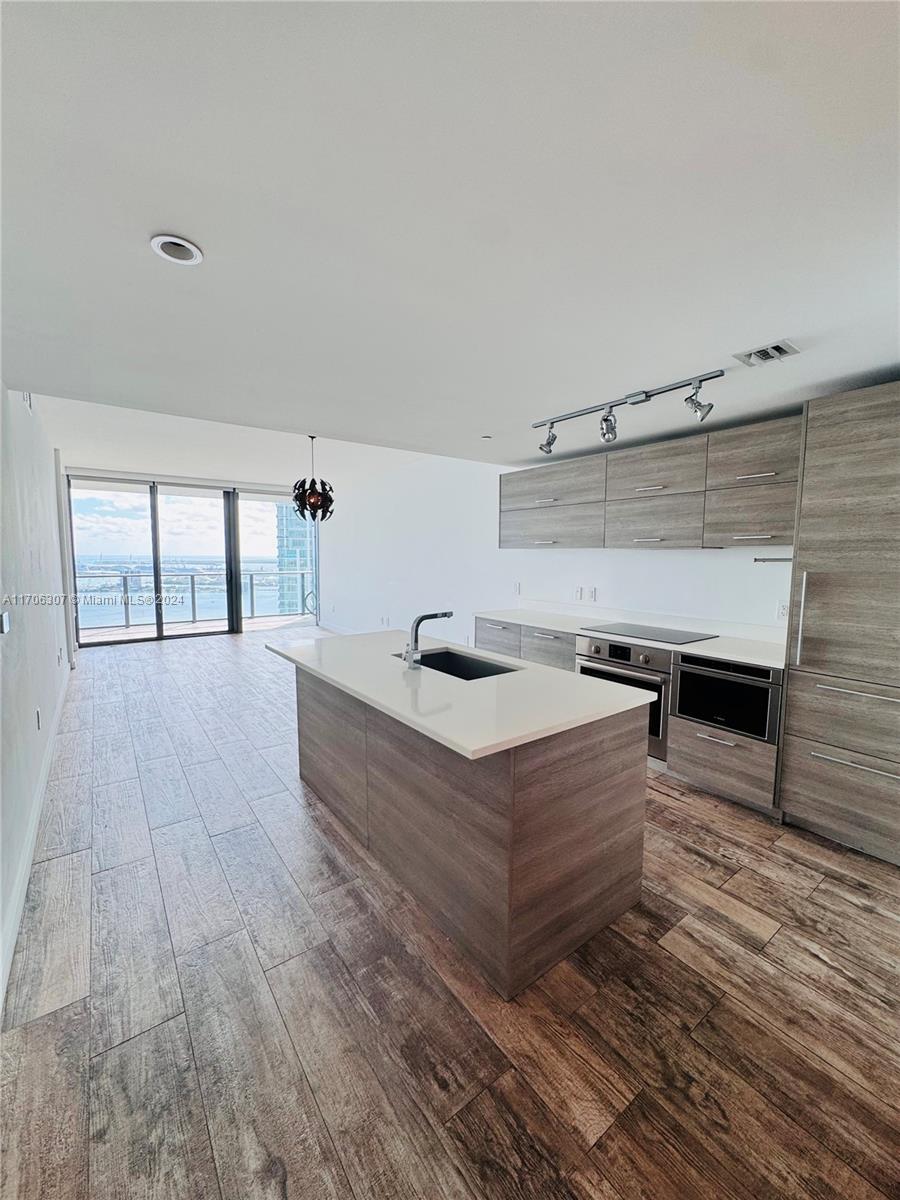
(65, 824)
(120, 830)
(50, 967)
(148, 1133)
(387, 1145)
(133, 980)
(268, 1136)
(733, 1036)
(44, 1102)
(199, 905)
(275, 911)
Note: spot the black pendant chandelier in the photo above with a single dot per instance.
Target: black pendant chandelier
(313, 499)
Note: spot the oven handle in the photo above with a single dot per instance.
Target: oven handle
(647, 676)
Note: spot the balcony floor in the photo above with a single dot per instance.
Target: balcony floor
(216, 992)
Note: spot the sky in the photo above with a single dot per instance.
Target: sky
(118, 523)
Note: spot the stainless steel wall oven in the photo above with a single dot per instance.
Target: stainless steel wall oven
(645, 667)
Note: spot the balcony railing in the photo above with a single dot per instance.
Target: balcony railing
(202, 590)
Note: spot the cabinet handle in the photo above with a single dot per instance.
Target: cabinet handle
(721, 741)
(545, 542)
(757, 475)
(655, 487)
(827, 687)
(646, 539)
(856, 766)
(800, 617)
(551, 637)
(490, 626)
(752, 537)
(547, 500)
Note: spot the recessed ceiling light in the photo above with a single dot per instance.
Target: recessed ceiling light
(176, 249)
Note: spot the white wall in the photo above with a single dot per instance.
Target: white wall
(33, 666)
(413, 532)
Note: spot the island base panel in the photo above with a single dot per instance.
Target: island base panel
(520, 856)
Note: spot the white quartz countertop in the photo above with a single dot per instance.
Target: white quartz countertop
(473, 717)
(735, 649)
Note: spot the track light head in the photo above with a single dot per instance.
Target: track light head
(700, 411)
(546, 447)
(608, 426)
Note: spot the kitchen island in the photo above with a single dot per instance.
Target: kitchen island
(510, 806)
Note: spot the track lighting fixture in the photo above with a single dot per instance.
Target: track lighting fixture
(546, 447)
(608, 429)
(608, 426)
(700, 411)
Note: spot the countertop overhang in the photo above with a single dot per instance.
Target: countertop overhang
(473, 717)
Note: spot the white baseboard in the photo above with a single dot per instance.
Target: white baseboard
(12, 915)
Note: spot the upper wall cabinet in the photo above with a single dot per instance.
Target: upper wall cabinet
(666, 467)
(576, 481)
(750, 517)
(755, 454)
(570, 526)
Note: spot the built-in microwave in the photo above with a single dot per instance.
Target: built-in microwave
(739, 697)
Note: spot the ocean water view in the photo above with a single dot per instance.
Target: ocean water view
(115, 592)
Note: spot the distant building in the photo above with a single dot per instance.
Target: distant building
(296, 552)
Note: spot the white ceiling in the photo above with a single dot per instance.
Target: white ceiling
(426, 222)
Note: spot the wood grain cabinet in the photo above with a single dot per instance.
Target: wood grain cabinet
(844, 612)
(664, 522)
(566, 526)
(332, 732)
(665, 467)
(501, 637)
(756, 516)
(576, 481)
(548, 646)
(755, 454)
(842, 794)
(840, 772)
(727, 764)
(853, 715)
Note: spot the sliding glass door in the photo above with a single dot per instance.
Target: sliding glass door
(156, 560)
(279, 560)
(112, 536)
(192, 560)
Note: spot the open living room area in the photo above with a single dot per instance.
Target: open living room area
(449, 624)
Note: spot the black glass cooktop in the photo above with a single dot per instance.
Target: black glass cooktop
(651, 633)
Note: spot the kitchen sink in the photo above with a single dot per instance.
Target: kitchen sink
(460, 666)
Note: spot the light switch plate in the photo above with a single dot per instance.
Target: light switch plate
(4, 622)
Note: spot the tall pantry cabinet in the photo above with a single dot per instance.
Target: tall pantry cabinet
(840, 770)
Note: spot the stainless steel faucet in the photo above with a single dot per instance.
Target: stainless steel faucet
(412, 649)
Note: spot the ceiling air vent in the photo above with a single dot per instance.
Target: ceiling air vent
(764, 354)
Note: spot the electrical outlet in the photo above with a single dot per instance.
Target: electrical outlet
(579, 593)
(783, 609)
(517, 589)
(592, 594)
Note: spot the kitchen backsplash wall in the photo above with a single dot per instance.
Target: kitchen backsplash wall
(720, 585)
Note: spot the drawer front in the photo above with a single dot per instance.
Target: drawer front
(755, 454)
(549, 647)
(577, 481)
(499, 636)
(857, 716)
(849, 797)
(676, 466)
(566, 526)
(762, 516)
(725, 764)
(664, 522)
